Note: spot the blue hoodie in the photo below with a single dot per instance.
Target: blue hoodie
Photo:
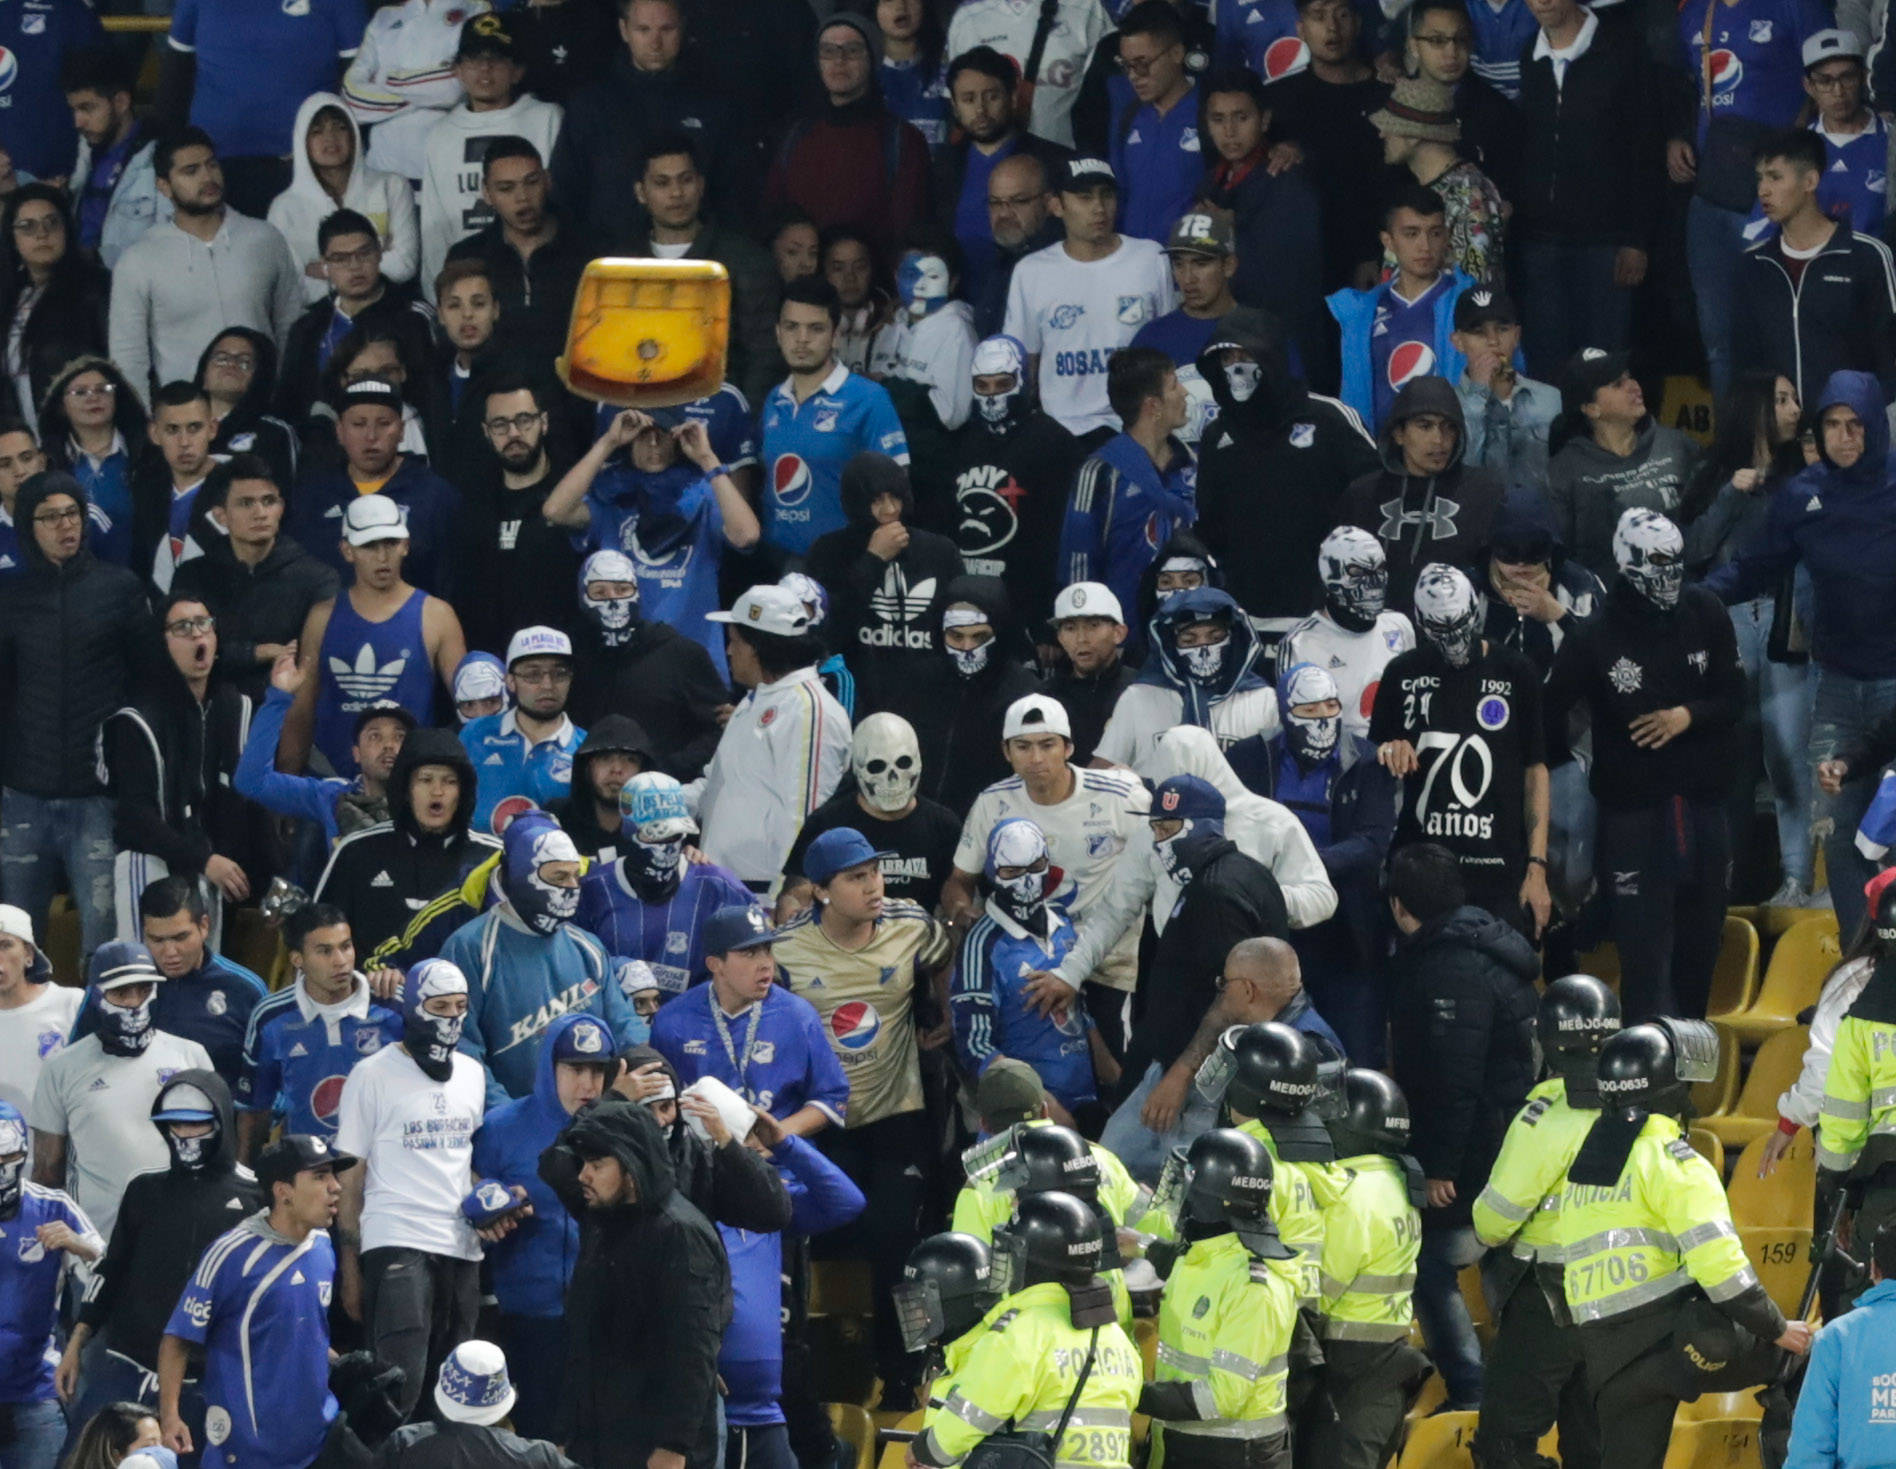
(1843, 1419)
(1841, 523)
(532, 1265)
(1166, 668)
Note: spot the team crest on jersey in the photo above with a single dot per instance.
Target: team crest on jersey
(1492, 712)
(165, 1073)
(217, 1002)
(1132, 310)
(31, 1250)
(368, 1041)
(561, 769)
(825, 421)
(677, 942)
(216, 1425)
(1065, 318)
(1302, 435)
(47, 1042)
(694, 1048)
(1625, 676)
(1392, 639)
(764, 1052)
(33, 25)
(1761, 33)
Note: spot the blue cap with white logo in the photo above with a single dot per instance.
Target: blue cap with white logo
(836, 851)
(737, 926)
(585, 1040)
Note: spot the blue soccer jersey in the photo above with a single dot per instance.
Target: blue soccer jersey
(507, 763)
(806, 446)
(259, 1305)
(29, 1291)
(675, 553)
(297, 1054)
(35, 123)
(256, 64)
(777, 1053)
(1402, 341)
(665, 935)
(993, 1018)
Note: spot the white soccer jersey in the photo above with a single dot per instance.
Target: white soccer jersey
(1073, 315)
(30, 1034)
(1355, 660)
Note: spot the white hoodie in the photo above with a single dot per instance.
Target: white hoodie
(451, 207)
(1259, 827)
(385, 200)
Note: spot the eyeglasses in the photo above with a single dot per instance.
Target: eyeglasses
(92, 390)
(534, 677)
(518, 424)
(367, 255)
(244, 360)
(1138, 66)
(848, 51)
(1448, 40)
(190, 627)
(71, 515)
(45, 224)
(1836, 81)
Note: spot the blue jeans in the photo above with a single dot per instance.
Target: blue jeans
(42, 841)
(1844, 709)
(1439, 1307)
(1142, 1150)
(1780, 694)
(1714, 247)
(37, 1432)
(1568, 301)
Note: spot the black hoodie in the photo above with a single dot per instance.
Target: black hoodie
(879, 617)
(577, 813)
(168, 1218)
(960, 732)
(385, 874)
(70, 637)
(1447, 517)
(1279, 460)
(665, 677)
(249, 428)
(647, 1305)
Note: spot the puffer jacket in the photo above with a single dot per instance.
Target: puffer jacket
(649, 1300)
(1445, 517)
(70, 638)
(1462, 1008)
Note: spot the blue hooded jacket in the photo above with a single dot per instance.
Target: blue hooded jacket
(1841, 523)
(1166, 668)
(1355, 313)
(532, 1265)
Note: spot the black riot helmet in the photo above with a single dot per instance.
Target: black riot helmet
(1652, 1068)
(1375, 1116)
(1578, 1014)
(1273, 1071)
(947, 1286)
(1044, 1159)
(1227, 1187)
(1052, 1237)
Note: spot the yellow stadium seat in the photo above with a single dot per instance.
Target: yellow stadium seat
(249, 940)
(1773, 1069)
(1714, 1443)
(1804, 955)
(840, 1288)
(894, 1456)
(647, 333)
(1740, 1406)
(1440, 1442)
(1782, 1201)
(1735, 975)
(855, 1428)
(1781, 1258)
(1713, 1098)
(1706, 1144)
(1434, 1393)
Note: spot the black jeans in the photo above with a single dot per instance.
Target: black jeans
(1534, 1376)
(1666, 873)
(416, 1308)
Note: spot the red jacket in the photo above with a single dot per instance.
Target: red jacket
(857, 165)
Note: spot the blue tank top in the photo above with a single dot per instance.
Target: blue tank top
(366, 663)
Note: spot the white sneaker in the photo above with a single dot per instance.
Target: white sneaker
(1790, 894)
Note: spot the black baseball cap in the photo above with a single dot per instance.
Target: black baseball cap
(1587, 371)
(384, 709)
(1081, 175)
(370, 390)
(487, 35)
(1482, 305)
(294, 1153)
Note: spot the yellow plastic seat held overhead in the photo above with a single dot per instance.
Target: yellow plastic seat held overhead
(648, 333)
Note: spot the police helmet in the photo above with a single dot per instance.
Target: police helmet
(1653, 1067)
(1273, 1071)
(947, 1286)
(1043, 1159)
(1228, 1173)
(1577, 1015)
(1375, 1116)
(1052, 1237)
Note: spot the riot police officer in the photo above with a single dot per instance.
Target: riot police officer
(1371, 1238)
(1052, 1359)
(1856, 1132)
(1666, 1303)
(1228, 1324)
(1533, 1373)
(943, 1301)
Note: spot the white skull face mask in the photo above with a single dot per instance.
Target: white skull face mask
(1243, 377)
(1446, 614)
(614, 616)
(887, 761)
(1000, 356)
(1311, 737)
(968, 661)
(1650, 554)
(1205, 662)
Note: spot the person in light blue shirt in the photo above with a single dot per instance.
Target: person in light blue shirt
(527, 750)
(1845, 1419)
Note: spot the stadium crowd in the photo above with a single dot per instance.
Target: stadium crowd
(1076, 786)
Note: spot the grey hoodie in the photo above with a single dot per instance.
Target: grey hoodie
(1588, 488)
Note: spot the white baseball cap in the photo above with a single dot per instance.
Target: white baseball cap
(1036, 714)
(1829, 45)
(372, 518)
(768, 609)
(16, 923)
(538, 642)
(1087, 599)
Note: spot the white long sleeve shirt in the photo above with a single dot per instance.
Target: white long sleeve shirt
(1804, 1099)
(402, 79)
(781, 756)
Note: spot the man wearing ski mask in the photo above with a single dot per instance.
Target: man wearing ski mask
(409, 1256)
(1458, 721)
(918, 833)
(1352, 633)
(1224, 897)
(1660, 676)
(168, 1218)
(961, 733)
(527, 963)
(652, 902)
(1328, 777)
(45, 1232)
(91, 1109)
(1010, 466)
(622, 660)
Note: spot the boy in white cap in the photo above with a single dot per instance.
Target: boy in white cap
(1090, 626)
(36, 1015)
(527, 750)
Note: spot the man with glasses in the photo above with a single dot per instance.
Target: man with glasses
(527, 750)
(1859, 144)
(20, 459)
(72, 628)
(1155, 149)
(519, 568)
(1020, 221)
(1442, 48)
(238, 374)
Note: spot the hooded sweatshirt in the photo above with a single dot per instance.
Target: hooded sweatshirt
(249, 428)
(451, 204)
(960, 733)
(578, 813)
(879, 610)
(1524, 517)
(1237, 704)
(1841, 524)
(668, 677)
(531, 1266)
(167, 1218)
(70, 636)
(648, 1303)
(1276, 459)
(1589, 488)
(1442, 517)
(384, 199)
(384, 874)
